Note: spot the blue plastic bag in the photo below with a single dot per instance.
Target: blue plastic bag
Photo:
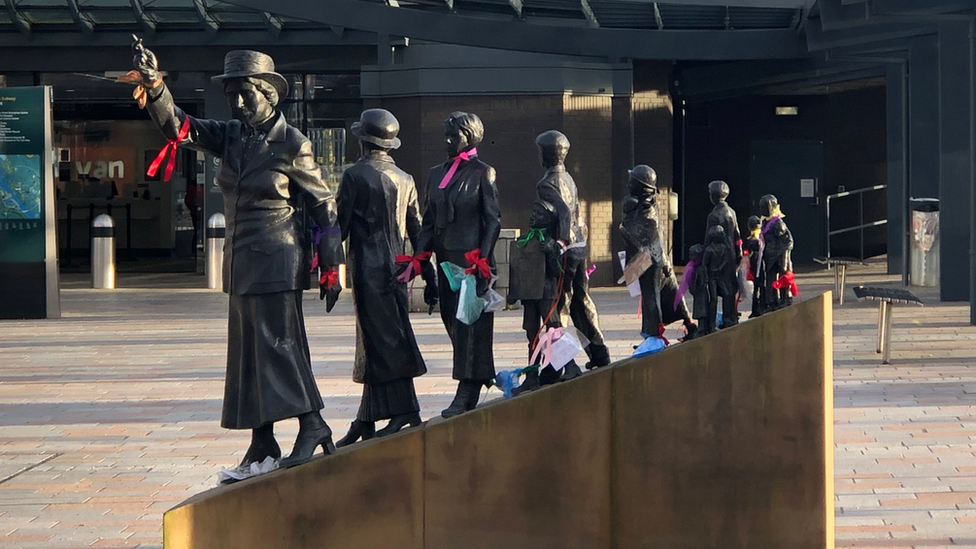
(506, 380)
(454, 274)
(470, 306)
(650, 346)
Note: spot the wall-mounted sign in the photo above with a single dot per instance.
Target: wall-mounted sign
(808, 188)
(28, 248)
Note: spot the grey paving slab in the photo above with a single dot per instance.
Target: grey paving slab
(110, 415)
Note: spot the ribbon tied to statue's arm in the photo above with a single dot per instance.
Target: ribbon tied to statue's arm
(788, 280)
(412, 265)
(168, 153)
(479, 265)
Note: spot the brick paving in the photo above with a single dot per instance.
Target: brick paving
(109, 416)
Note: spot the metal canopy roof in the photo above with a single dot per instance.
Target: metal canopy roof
(94, 16)
(614, 29)
(683, 29)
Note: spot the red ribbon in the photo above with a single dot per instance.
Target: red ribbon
(170, 151)
(329, 278)
(787, 280)
(413, 263)
(660, 334)
(466, 155)
(315, 262)
(479, 265)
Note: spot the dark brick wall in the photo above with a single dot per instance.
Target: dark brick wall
(600, 128)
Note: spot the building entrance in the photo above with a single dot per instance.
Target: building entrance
(793, 171)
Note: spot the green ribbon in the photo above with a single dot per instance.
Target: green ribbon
(535, 231)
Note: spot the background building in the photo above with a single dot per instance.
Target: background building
(803, 98)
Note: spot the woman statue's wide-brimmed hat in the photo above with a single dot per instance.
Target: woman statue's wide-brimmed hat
(245, 63)
(377, 126)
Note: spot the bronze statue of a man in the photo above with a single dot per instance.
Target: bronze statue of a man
(379, 213)
(461, 225)
(722, 215)
(267, 176)
(558, 188)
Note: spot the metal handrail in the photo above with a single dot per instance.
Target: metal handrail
(860, 212)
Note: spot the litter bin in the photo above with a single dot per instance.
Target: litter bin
(925, 242)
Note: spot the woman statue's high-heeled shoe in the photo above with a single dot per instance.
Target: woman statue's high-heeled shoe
(358, 430)
(305, 446)
(399, 422)
(256, 453)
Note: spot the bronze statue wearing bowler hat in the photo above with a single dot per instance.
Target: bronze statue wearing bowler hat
(267, 175)
(379, 213)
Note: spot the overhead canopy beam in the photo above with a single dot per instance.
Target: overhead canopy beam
(516, 6)
(272, 23)
(80, 19)
(588, 14)
(203, 15)
(19, 21)
(893, 7)
(18, 49)
(731, 3)
(835, 14)
(821, 40)
(540, 38)
(842, 14)
(146, 23)
(724, 80)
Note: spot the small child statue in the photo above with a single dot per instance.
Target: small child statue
(698, 285)
(541, 251)
(752, 248)
(777, 245)
(717, 264)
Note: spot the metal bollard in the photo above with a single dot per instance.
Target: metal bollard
(103, 253)
(215, 250)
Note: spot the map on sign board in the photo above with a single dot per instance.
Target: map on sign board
(20, 186)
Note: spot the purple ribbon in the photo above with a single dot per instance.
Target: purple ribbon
(685, 282)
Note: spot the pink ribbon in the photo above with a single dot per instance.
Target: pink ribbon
(466, 155)
(546, 339)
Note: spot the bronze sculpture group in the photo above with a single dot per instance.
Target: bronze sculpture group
(272, 190)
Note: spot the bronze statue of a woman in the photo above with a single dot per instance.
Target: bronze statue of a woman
(460, 225)
(379, 214)
(267, 175)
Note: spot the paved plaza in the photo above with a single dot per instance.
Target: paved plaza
(110, 416)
